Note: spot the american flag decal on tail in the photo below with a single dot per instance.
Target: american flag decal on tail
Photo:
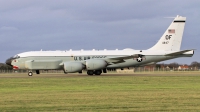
(171, 31)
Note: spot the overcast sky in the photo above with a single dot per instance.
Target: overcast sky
(30, 25)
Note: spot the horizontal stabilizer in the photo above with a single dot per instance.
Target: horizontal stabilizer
(179, 52)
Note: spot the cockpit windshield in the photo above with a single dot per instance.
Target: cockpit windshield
(15, 57)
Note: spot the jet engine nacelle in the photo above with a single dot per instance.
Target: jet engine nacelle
(95, 64)
(71, 67)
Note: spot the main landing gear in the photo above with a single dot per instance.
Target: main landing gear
(37, 72)
(96, 72)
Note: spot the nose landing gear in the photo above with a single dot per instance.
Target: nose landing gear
(30, 73)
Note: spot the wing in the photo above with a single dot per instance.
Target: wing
(121, 59)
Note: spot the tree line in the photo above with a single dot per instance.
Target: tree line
(194, 64)
(4, 66)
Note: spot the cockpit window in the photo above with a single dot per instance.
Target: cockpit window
(16, 56)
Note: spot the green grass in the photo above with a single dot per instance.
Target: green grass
(101, 93)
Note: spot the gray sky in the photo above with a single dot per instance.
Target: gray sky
(30, 25)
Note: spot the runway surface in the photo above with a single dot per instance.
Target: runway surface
(60, 75)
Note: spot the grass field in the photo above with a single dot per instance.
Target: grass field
(100, 93)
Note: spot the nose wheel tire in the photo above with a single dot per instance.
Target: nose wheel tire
(30, 73)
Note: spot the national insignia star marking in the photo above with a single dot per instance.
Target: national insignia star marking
(139, 59)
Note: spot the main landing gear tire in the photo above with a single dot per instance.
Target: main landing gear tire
(30, 73)
(37, 72)
(90, 72)
(97, 72)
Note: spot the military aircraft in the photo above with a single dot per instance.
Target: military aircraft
(97, 61)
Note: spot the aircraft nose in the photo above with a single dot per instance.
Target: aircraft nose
(9, 60)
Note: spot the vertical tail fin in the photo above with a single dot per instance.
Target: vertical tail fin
(172, 38)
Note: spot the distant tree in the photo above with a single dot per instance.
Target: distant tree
(173, 65)
(195, 64)
(3, 66)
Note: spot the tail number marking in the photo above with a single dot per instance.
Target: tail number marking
(167, 38)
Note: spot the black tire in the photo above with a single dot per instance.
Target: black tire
(90, 72)
(30, 73)
(104, 70)
(37, 72)
(98, 72)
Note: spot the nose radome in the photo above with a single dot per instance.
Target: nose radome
(9, 61)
